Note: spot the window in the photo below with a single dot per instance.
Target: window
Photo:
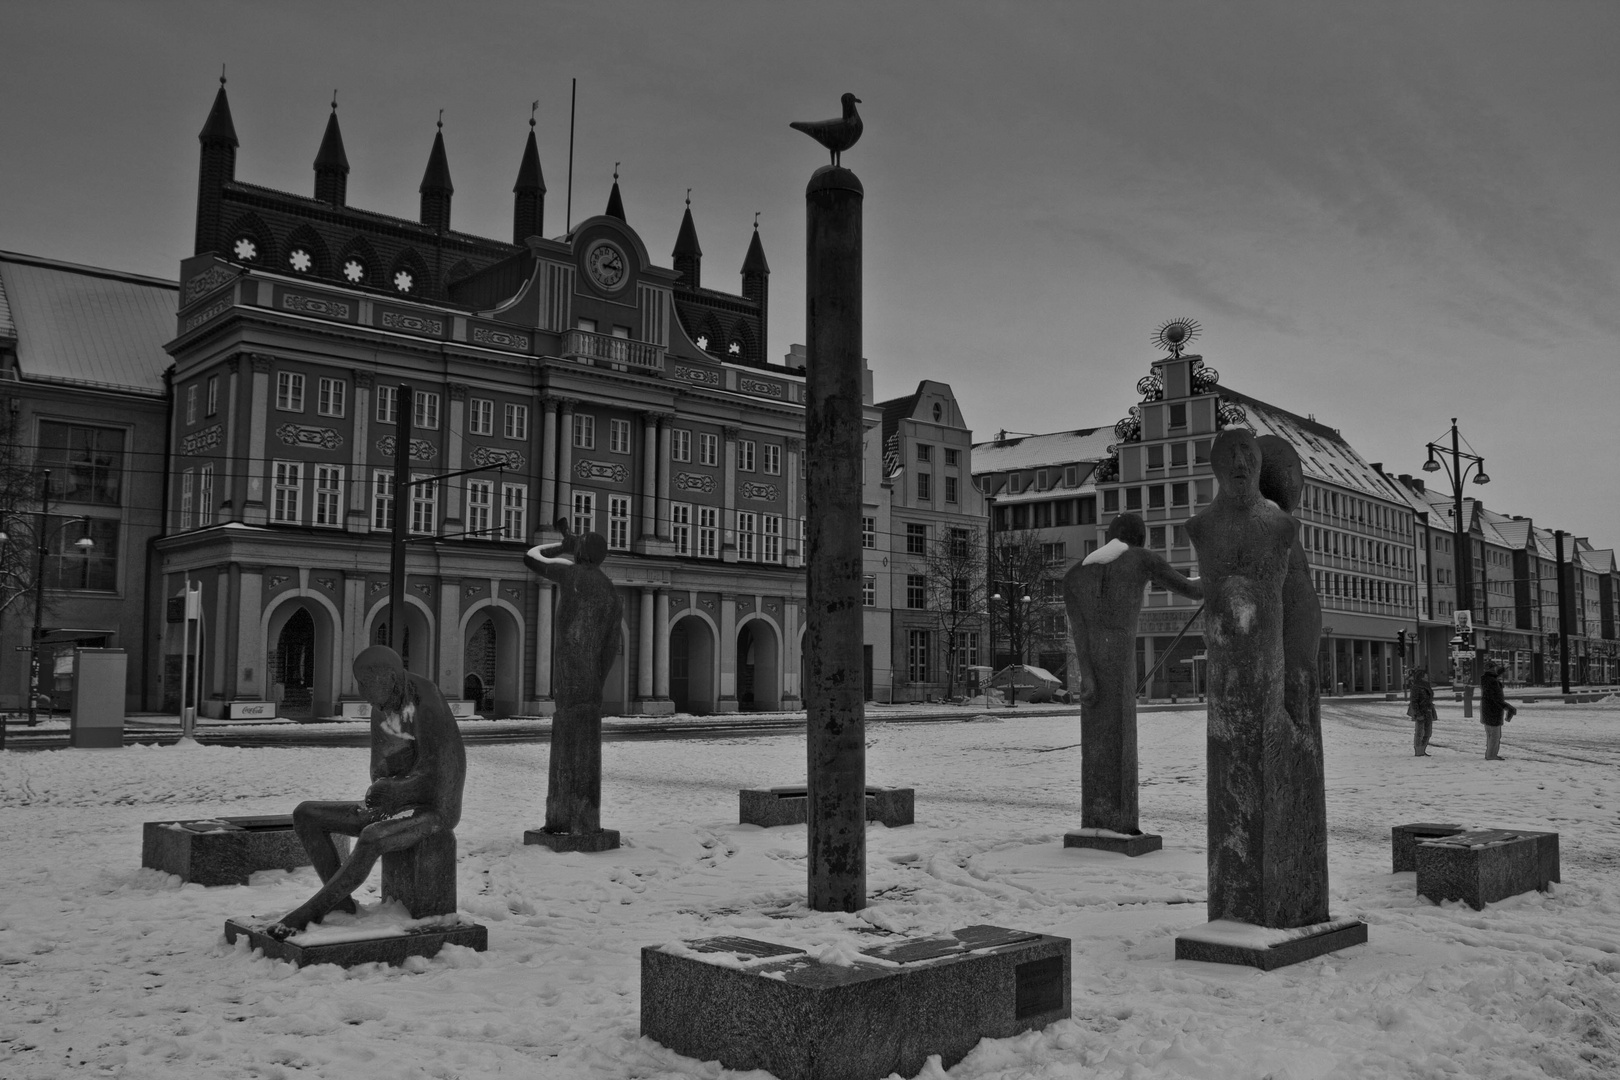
(619, 436)
(967, 652)
(950, 456)
(1042, 515)
(480, 507)
(515, 422)
(205, 496)
(773, 460)
(961, 543)
(918, 650)
(287, 485)
(708, 532)
(924, 452)
(584, 511)
(187, 479)
(514, 512)
(1020, 516)
(480, 417)
(916, 539)
(1052, 553)
(289, 391)
(680, 445)
(959, 594)
(424, 504)
(745, 455)
(619, 520)
(916, 591)
(330, 400)
(1178, 453)
(1086, 510)
(1180, 538)
(1156, 497)
(329, 496)
(382, 499)
(1178, 414)
(869, 592)
(425, 415)
(680, 527)
(86, 463)
(1201, 451)
(213, 395)
(771, 538)
(1203, 490)
(708, 448)
(191, 404)
(387, 404)
(868, 532)
(585, 431)
(1178, 494)
(1111, 501)
(924, 487)
(746, 524)
(1133, 498)
(1155, 456)
(71, 567)
(950, 489)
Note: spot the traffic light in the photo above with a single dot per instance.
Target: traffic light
(1400, 636)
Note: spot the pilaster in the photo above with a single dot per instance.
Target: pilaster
(728, 652)
(254, 513)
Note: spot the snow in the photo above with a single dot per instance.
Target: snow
(1247, 935)
(1107, 553)
(107, 969)
(1108, 833)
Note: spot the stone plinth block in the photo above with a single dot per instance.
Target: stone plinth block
(790, 806)
(1132, 844)
(423, 877)
(753, 1005)
(1403, 841)
(393, 948)
(1225, 941)
(1484, 865)
(225, 851)
(600, 840)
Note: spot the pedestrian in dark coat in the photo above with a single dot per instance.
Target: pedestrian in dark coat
(1420, 707)
(1494, 711)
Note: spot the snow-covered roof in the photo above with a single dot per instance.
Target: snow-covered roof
(1040, 451)
(1323, 453)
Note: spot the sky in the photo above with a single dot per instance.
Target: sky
(1382, 214)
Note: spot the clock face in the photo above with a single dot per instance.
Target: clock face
(605, 264)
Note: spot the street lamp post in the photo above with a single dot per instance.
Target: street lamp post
(1457, 472)
(1015, 637)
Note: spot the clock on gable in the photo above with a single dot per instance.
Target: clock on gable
(606, 266)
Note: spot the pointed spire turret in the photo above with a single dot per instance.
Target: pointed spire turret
(436, 188)
(756, 273)
(615, 206)
(331, 163)
(529, 193)
(216, 169)
(688, 255)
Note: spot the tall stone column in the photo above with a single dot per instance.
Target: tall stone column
(728, 515)
(833, 690)
(727, 701)
(644, 652)
(252, 682)
(452, 650)
(358, 518)
(254, 512)
(542, 645)
(548, 465)
(794, 541)
(233, 491)
(665, 452)
(455, 437)
(565, 459)
(649, 475)
(792, 669)
(661, 645)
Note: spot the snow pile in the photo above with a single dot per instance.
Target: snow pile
(107, 969)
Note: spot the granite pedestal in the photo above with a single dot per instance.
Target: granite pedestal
(754, 1005)
(600, 840)
(1132, 844)
(1403, 841)
(1228, 942)
(1485, 865)
(423, 877)
(225, 851)
(394, 948)
(790, 806)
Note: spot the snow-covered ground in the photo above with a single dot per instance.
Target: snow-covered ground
(107, 969)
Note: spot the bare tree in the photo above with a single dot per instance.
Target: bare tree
(954, 566)
(1026, 603)
(19, 501)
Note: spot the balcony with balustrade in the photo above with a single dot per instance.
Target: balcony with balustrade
(623, 354)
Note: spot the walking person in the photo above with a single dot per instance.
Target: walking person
(1494, 711)
(1420, 707)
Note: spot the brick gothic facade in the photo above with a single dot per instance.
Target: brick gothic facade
(616, 392)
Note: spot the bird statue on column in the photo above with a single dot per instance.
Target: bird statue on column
(836, 135)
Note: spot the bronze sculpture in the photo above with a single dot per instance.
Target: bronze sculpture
(838, 134)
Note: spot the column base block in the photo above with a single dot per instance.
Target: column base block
(1403, 841)
(1131, 844)
(601, 840)
(1486, 865)
(394, 949)
(652, 707)
(1225, 941)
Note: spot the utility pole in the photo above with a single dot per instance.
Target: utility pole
(39, 597)
(1563, 613)
(404, 403)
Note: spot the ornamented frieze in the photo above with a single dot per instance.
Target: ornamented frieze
(693, 482)
(585, 469)
(205, 439)
(306, 435)
(421, 449)
(211, 311)
(759, 386)
(425, 590)
(315, 305)
(505, 339)
(329, 584)
(377, 587)
(706, 376)
(487, 457)
(411, 323)
(758, 492)
(278, 580)
(208, 281)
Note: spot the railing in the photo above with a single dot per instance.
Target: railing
(615, 350)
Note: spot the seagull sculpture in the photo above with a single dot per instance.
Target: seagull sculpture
(836, 135)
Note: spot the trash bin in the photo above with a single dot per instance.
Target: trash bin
(98, 698)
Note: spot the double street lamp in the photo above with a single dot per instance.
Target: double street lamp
(1015, 631)
(43, 534)
(1457, 470)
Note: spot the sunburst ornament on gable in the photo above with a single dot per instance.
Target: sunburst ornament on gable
(1176, 334)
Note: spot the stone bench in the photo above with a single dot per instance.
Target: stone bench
(790, 806)
(1485, 865)
(755, 1005)
(1403, 841)
(225, 851)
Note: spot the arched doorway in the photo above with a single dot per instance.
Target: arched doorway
(478, 666)
(691, 665)
(759, 669)
(616, 687)
(415, 647)
(292, 673)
